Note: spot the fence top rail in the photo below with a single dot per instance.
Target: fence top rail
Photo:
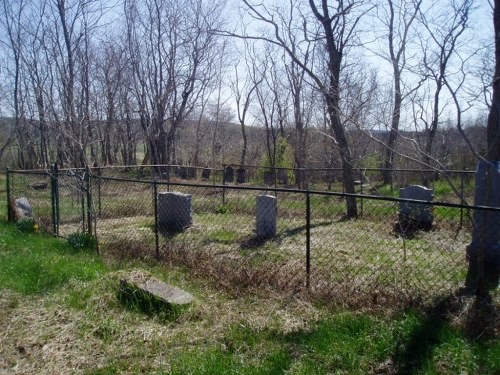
(337, 169)
(302, 191)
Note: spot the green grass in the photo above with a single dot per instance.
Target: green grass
(33, 263)
(51, 294)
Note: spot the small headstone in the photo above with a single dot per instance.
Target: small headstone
(283, 176)
(269, 177)
(144, 289)
(241, 176)
(416, 216)
(267, 213)
(23, 208)
(182, 172)
(229, 174)
(175, 211)
(191, 172)
(205, 174)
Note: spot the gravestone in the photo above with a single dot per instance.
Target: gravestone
(229, 174)
(175, 211)
(205, 174)
(182, 172)
(191, 172)
(241, 176)
(416, 216)
(283, 176)
(23, 208)
(269, 177)
(152, 294)
(267, 213)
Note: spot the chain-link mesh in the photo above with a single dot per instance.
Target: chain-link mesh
(372, 258)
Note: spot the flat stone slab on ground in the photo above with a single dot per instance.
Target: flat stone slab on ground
(157, 288)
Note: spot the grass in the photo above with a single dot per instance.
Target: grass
(61, 314)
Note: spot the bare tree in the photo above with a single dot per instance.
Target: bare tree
(445, 33)
(397, 18)
(332, 25)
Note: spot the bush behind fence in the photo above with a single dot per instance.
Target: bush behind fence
(315, 250)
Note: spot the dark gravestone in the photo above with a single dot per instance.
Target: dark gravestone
(191, 172)
(181, 172)
(415, 216)
(175, 211)
(269, 177)
(267, 213)
(283, 176)
(229, 174)
(205, 174)
(241, 176)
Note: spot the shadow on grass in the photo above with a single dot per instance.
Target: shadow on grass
(476, 316)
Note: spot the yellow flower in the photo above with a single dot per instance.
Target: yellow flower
(36, 227)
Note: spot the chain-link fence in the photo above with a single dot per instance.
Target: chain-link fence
(314, 248)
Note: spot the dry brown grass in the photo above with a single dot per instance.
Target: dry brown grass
(47, 335)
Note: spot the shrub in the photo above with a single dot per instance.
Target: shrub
(82, 241)
(27, 226)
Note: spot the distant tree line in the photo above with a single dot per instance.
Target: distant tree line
(330, 83)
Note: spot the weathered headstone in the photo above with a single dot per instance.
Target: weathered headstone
(191, 172)
(23, 208)
(182, 172)
(283, 176)
(229, 174)
(152, 294)
(205, 174)
(175, 211)
(267, 213)
(416, 216)
(241, 176)
(269, 177)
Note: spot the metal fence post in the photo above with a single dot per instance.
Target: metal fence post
(361, 179)
(308, 239)
(461, 199)
(9, 201)
(88, 180)
(56, 196)
(155, 203)
(53, 199)
(99, 174)
(223, 184)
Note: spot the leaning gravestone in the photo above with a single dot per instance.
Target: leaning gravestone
(175, 211)
(416, 216)
(23, 209)
(267, 212)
